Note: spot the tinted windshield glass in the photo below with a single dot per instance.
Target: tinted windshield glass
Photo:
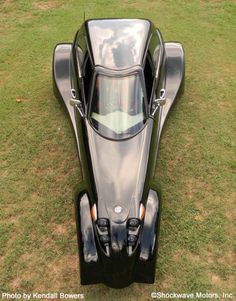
(118, 107)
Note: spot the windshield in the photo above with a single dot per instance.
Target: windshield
(118, 107)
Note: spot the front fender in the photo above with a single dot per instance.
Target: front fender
(88, 255)
(145, 267)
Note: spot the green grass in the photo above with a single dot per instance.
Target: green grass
(38, 164)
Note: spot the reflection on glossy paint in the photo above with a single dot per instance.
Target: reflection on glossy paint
(89, 247)
(119, 169)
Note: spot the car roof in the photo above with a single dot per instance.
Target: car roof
(117, 43)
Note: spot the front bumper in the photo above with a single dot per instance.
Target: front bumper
(119, 267)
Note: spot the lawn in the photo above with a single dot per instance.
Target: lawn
(195, 174)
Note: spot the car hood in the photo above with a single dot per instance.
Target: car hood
(119, 170)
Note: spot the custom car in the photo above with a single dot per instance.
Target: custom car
(117, 81)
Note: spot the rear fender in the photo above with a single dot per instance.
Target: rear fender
(175, 74)
(62, 79)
